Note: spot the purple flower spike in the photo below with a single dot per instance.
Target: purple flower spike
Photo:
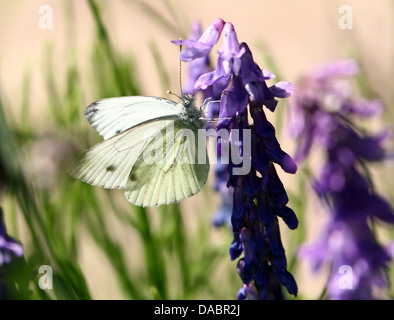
(258, 197)
(201, 47)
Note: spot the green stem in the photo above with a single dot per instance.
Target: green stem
(154, 260)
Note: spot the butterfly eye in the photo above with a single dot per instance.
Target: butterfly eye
(187, 103)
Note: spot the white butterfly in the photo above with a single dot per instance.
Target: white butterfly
(132, 127)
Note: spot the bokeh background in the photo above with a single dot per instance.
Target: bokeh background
(100, 246)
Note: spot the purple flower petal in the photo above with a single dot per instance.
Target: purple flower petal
(234, 99)
(235, 249)
(201, 47)
(338, 68)
(229, 51)
(364, 108)
(263, 127)
(282, 89)
(288, 216)
(260, 92)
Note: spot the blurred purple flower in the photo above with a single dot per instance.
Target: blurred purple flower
(9, 247)
(323, 110)
(346, 242)
(258, 198)
(323, 105)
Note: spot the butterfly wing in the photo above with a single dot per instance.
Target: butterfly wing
(109, 163)
(177, 177)
(114, 115)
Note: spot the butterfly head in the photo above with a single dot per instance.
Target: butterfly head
(187, 101)
(190, 113)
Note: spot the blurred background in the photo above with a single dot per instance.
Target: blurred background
(98, 245)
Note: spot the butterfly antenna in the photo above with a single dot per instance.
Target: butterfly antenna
(180, 70)
(174, 94)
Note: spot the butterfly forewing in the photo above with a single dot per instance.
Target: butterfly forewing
(108, 164)
(114, 115)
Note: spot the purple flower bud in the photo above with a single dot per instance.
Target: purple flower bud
(239, 210)
(263, 127)
(235, 248)
(288, 216)
(275, 186)
(248, 292)
(250, 185)
(229, 52)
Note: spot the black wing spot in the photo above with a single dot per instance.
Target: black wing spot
(132, 177)
(111, 168)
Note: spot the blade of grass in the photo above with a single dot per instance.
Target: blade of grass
(25, 196)
(93, 217)
(153, 256)
(102, 36)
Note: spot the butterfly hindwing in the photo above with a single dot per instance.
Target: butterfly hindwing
(176, 177)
